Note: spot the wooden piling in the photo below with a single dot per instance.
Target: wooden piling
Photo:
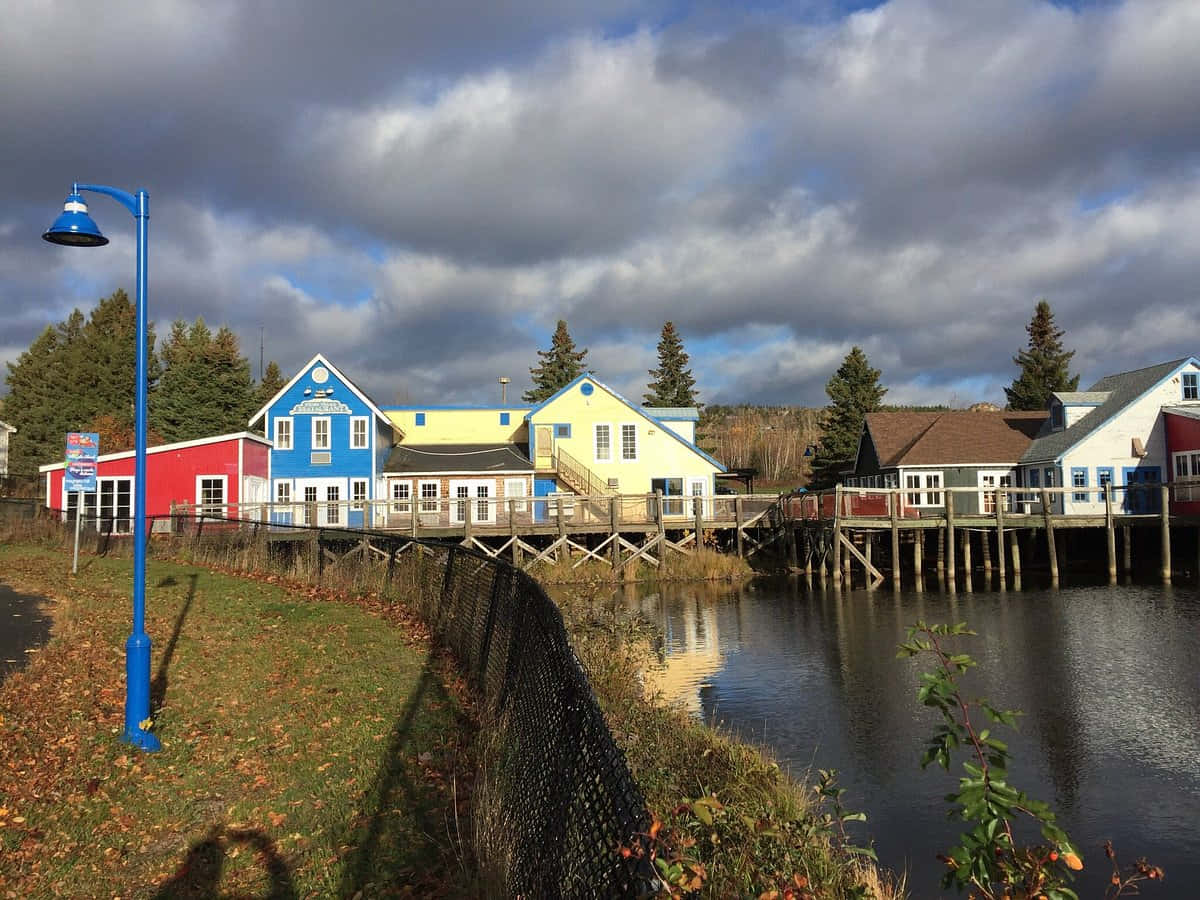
(837, 534)
(1000, 498)
(1126, 550)
(950, 560)
(1110, 534)
(966, 541)
(985, 550)
(868, 544)
(1051, 549)
(614, 522)
(894, 512)
(941, 554)
(1165, 521)
(918, 558)
(737, 522)
(1014, 542)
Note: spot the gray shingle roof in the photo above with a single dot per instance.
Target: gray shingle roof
(1081, 398)
(1122, 389)
(455, 458)
(678, 413)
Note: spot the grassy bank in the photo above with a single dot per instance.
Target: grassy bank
(311, 746)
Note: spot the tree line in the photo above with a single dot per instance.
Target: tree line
(79, 375)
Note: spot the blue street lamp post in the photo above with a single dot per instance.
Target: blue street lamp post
(75, 228)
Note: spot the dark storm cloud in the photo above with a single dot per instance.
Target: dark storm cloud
(421, 191)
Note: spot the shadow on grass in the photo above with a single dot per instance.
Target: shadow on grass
(406, 831)
(158, 687)
(199, 876)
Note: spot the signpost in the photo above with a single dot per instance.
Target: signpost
(83, 451)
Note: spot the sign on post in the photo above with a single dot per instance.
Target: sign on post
(83, 453)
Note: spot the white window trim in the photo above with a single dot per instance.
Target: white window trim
(1186, 456)
(518, 506)
(1183, 385)
(595, 448)
(987, 495)
(291, 430)
(924, 489)
(400, 505)
(328, 433)
(637, 442)
(224, 479)
(366, 421)
(436, 499)
(366, 492)
(458, 504)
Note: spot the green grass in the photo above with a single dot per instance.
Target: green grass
(311, 746)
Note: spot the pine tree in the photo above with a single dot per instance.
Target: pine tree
(854, 391)
(1044, 365)
(558, 366)
(673, 384)
(272, 383)
(206, 387)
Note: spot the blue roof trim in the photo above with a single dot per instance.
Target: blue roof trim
(637, 409)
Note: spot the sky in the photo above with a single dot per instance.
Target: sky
(420, 191)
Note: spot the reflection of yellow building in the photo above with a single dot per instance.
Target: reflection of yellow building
(692, 656)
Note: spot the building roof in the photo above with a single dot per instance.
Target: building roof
(440, 458)
(167, 448)
(951, 437)
(673, 413)
(1189, 412)
(320, 358)
(1122, 389)
(1081, 398)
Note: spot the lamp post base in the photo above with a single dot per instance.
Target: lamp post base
(137, 693)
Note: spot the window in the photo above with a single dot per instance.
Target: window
(503, 418)
(210, 495)
(513, 488)
(358, 432)
(1187, 464)
(320, 433)
(332, 510)
(1079, 480)
(1104, 477)
(402, 497)
(988, 482)
(420, 418)
(930, 482)
(283, 433)
(358, 492)
(1035, 478)
(1191, 385)
(562, 431)
(1181, 465)
(629, 448)
(1056, 416)
(283, 492)
(1049, 477)
(429, 497)
(603, 443)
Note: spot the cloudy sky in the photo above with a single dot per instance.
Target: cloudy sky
(421, 190)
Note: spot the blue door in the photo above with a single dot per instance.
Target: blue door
(542, 487)
(1142, 496)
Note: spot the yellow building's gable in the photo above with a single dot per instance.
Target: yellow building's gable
(460, 426)
(626, 449)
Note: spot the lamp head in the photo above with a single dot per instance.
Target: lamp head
(74, 227)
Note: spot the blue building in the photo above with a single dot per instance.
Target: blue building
(329, 442)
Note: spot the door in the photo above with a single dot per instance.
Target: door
(515, 507)
(668, 487)
(988, 482)
(544, 439)
(330, 512)
(1142, 496)
(476, 495)
(116, 505)
(698, 487)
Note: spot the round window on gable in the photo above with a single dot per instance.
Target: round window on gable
(586, 389)
(320, 374)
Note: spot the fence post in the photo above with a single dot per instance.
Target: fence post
(1001, 497)
(698, 510)
(614, 515)
(1165, 493)
(1110, 534)
(737, 524)
(469, 515)
(894, 515)
(1050, 545)
(837, 534)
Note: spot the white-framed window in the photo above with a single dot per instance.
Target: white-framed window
(923, 488)
(988, 482)
(516, 487)
(1187, 464)
(629, 443)
(430, 492)
(1079, 480)
(320, 432)
(603, 442)
(211, 495)
(402, 497)
(1191, 385)
(358, 492)
(358, 432)
(283, 492)
(283, 433)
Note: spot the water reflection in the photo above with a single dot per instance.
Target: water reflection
(1108, 677)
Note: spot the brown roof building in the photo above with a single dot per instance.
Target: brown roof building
(923, 452)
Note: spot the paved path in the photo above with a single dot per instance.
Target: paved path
(23, 627)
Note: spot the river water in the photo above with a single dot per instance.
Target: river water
(1108, 679)
(23, 626)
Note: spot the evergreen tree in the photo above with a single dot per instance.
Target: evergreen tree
(854, 391)
(72, 374)
(205, 388)
(272, 383)
(557, 367)
(1044, 365)
(673, 384)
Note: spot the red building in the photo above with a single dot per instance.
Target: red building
(1183, 451)
(218, 472)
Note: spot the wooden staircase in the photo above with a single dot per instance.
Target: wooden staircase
(578, 477)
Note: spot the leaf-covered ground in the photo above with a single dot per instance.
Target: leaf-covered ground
(313, 745)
